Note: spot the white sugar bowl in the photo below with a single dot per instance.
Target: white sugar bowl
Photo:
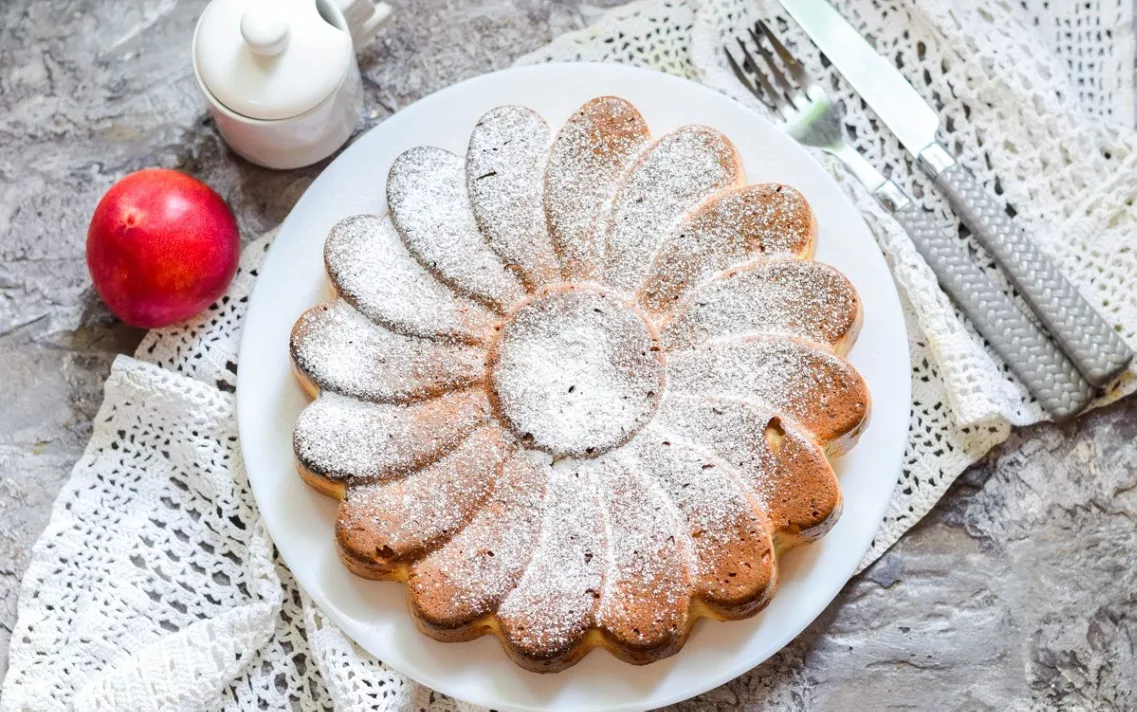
(281, 76)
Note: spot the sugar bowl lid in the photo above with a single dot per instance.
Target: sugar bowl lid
(271, 59)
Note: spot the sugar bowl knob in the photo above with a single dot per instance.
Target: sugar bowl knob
(264, 30)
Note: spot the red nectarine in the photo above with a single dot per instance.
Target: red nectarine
(162, 246)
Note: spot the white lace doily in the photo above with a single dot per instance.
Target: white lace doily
(155, 586)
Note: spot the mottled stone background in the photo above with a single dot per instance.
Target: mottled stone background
(1018, 591)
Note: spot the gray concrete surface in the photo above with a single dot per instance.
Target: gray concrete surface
(1018, 591)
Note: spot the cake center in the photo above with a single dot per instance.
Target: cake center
(577, 372)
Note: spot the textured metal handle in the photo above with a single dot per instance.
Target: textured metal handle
(1045, 370)
(1089, 341)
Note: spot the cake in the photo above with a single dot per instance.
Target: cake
(578, 390)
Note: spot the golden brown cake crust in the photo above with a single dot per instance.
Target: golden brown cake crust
(588, 157)
(595, 437)
(731, 228)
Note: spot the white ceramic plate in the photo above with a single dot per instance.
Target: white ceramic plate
(374, 613)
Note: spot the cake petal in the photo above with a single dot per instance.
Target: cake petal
(781, 296)
(370, 267)
(724, 521)
(343, 439)
(545, 619)
(648, 579)
(816, 388)
(590, 154)
(472, 574)
(335, 348)
(505, 176)
(780, 462)
(730, 229)
(426, 191)
(383, 526)
(672, 177)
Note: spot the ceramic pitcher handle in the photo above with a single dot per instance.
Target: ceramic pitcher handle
(364, 18)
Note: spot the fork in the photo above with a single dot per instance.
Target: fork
(806, 114)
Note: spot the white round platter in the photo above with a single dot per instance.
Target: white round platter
(301, 521)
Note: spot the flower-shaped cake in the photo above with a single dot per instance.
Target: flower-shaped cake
(577, 391)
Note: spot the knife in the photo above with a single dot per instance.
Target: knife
(1089, 341)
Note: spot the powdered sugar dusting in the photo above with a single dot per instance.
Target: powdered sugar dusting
(554, 604)
(697, 482)
(426, 191)
(818, 389)
(471, 575)
(724, 521)
(787, 297)
(341, 350)
(505, 173)
(781, 463)
(681, 170)
(733, 429)
(577, 372)
(647, 585)
(408, 517)
(347, 439)
(587, 160)
(372, 269)
(730, 229)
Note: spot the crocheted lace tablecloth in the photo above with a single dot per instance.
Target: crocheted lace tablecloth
(155, 586)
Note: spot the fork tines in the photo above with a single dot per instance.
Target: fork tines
(787, 96)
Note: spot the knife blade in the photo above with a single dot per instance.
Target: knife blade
(875, 79)
(1086, 338)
